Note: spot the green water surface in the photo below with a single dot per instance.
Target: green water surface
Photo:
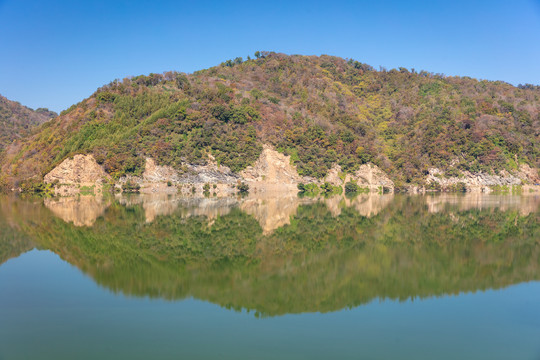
(373, 277)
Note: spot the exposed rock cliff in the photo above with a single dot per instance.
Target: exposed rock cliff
(165, 179)
(528, 174)
(272, 167)
(367, 176)
(372, 176)
(154, 173)
(333, 177)
(272, 172)
(481, 181)
(210, 173)
(80, 170)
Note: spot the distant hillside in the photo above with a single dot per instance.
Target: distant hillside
(320, 110)
(17, 120)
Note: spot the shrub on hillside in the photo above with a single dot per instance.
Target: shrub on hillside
(351, 187)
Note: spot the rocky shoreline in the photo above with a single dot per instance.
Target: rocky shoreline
(273, 172)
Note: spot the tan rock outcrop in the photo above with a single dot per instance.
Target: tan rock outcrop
(529, 174)
(80, 170)
(474, 182)
(333, 176)
(272, 167)
(154, 173)
(166, 179)
(210, 173)
(372, 177)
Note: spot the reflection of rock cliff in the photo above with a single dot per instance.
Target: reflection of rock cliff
(367, 205)
(208, 207)
(155, 205)
(270, 210)
(273, 211)
(371, 204)
(81, 211)
(524, 204)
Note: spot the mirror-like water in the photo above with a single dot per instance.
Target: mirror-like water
(375, 277)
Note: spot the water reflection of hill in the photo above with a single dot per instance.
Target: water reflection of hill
(293, 255)
(13, 241)
(274, 211)
(155, 205)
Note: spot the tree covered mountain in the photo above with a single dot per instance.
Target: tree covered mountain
(16, 120)
(320, 110)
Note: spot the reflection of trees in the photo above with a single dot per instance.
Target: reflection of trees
(13, 242)
(316, 262)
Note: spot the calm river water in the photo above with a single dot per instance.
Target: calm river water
(270, 277)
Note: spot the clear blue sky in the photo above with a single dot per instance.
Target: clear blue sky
(55, 53)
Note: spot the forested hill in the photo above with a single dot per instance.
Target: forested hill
(17, 120)
(320, 110)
